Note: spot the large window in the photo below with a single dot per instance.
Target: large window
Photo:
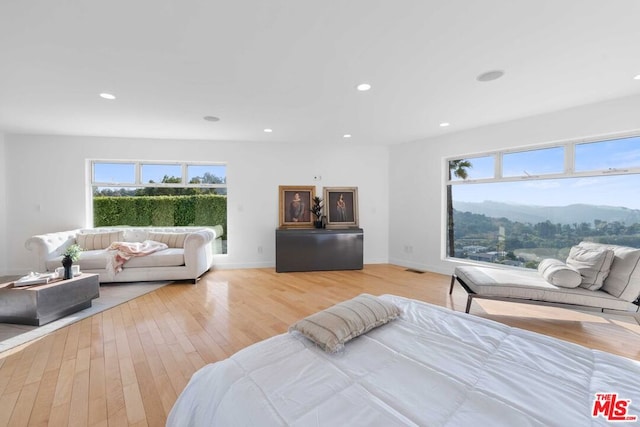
(537, 203)
(159, 193)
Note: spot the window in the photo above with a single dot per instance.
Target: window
(474, 168)
(114, 173)
(533, 162)
(160, 194)
(540, 202)
(611, 155)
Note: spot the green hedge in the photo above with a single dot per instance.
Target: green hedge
(202, 209)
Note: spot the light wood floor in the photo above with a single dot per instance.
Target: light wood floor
(127, 365)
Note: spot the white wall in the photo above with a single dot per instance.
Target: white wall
(417, 192)
(4, 244)
(46, 187)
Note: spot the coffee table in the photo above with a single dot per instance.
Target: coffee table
(40, 304)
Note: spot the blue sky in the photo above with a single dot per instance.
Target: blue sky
(124, 173)
(617, 190)
(607, 190)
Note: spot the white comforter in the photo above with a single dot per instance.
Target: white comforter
(432, 366)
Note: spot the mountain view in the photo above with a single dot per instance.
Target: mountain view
(523, 235)
(571, 214)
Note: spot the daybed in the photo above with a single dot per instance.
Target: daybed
(188, 256)
(613, 287)
(431, 366)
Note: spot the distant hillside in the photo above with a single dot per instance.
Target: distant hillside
(556, 214)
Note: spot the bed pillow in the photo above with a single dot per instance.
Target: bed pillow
(593, 264)
(93, 241)
(336, 325)
(558, 273)
(172, 240)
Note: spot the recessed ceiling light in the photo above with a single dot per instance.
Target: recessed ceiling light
(445, 124)
(346, 135)
(211, 118)
(637, 77)
(107, 96)
(363, 87)
(490, 75)
(267, 130)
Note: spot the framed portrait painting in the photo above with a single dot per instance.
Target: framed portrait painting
(295, 204)
(341, 204)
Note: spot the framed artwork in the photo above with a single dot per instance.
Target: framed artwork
(295, 205)
(341, 204)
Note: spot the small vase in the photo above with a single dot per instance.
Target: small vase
(67, 262)
(317, 224)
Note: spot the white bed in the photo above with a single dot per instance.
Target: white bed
(431, 366)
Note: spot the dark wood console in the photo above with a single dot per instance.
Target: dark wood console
(319, 249)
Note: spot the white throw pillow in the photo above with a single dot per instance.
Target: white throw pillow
(93, 241)
(558, 273)
(593, 264)
(173, 240)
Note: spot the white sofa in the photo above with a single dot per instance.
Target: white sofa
(620, 290)
(188, 258)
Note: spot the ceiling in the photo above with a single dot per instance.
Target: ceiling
(293, 66)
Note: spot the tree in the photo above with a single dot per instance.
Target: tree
(457, 168)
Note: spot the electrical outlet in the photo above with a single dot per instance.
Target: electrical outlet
(259, 249)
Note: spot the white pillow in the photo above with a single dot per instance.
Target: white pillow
(558, 273)
(593, 264)
(172, 240)
(93, 241)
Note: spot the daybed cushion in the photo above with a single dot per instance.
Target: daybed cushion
(336, 325)
(92, 241)
(624, 278)
(592, 263)
(558, 273)
(528, 284)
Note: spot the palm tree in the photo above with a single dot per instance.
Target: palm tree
(457, 168)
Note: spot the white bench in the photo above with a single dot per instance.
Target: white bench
(620, 291)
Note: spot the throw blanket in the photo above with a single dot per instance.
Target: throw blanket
(124, 251)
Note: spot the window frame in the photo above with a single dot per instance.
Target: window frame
(138, 174)
(91, 183)
(569, 162)
(569, 172)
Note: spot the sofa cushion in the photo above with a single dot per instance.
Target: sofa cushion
(623, 280)
(558, 273)
(94, 260)
(171, 257)
(92, 241)
(592, 263)
(98, 259)
(173, 240)
(135, 235)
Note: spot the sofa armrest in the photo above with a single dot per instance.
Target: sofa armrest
(198, 249)
(50, 245)
(203, 236)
